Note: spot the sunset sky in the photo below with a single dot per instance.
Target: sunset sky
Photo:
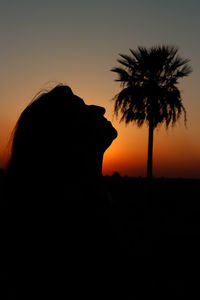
(77, 43)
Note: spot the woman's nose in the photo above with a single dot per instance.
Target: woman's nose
(98, 109)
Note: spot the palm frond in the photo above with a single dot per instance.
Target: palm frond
(130, 60)
(123, 75)
(149, 77)
(136, 54)
(184, 71)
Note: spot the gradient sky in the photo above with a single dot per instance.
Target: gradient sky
(77, 43)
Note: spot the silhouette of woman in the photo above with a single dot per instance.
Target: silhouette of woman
(59, 132)
(59, 219)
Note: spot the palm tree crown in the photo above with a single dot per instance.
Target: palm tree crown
(149, 78)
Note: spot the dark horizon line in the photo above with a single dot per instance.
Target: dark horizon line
(117, 174)
(154, 177)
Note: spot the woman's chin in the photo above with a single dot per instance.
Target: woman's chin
(112, 131)
(110, 135)
(115, 133)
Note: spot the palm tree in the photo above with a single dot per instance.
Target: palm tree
(149, 77)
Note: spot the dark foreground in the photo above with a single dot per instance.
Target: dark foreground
(158, 228)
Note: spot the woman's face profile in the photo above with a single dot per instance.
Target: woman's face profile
(98, 129)
(60, 128)
(57, 123)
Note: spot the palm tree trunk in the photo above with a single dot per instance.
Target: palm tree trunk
(150, 152)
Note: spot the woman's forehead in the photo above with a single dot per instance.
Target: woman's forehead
(79, 100)
(82, 104)
(89, 108)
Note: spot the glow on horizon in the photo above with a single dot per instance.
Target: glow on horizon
(175, 151)
(68, 43)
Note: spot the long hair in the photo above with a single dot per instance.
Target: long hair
(53, 212)
(44, 127)
(58, 134)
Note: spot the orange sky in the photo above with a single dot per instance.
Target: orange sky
(176, 151)
(78, 45)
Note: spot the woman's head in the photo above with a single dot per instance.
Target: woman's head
(57, 128)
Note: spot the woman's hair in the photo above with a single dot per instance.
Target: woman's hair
(45, 131)
(58, 139)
